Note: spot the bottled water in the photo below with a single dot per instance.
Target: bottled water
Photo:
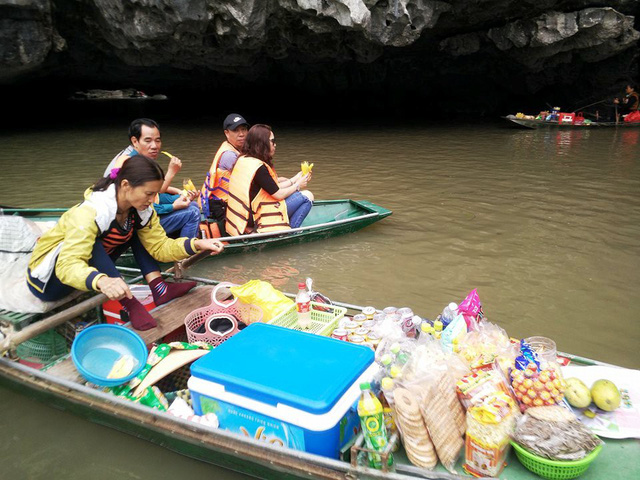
(303, 306)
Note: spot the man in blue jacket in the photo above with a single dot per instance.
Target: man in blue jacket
(179, 215)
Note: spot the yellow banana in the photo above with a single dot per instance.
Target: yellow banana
(306, 167)
(167, 154)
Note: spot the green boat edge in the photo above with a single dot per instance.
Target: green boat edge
(322, 222)
(248, 456)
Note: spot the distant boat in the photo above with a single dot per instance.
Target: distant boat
(534, 124)
(124, 94)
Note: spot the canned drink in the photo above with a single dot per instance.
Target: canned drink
(373, 339)
(405, 311)
(359, 318)
(389, 310)
(362, 331)
(350, 326)
(340, 334)
(378, 317)
(369, 312)
(369, 324)
(359, 339)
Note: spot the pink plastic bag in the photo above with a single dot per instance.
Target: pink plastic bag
(471, 309)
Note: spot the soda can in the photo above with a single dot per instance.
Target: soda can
(405, 311)
(359, 318)
(362, 331)
(340, 334)
(369, 324)
(378, 317)
(373, 339)
(350, 326)
(389, 310)
(359, 339)
(369, 312)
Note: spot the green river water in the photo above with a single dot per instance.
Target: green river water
(545, 224)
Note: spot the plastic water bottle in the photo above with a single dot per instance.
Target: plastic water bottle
(449, 313)
(303, 306)
(372, 422)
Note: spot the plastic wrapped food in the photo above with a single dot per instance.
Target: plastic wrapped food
(555, 433)
(489, 427)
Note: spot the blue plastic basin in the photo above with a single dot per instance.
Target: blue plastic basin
(96, 349)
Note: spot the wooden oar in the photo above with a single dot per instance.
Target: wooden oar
(16, 338)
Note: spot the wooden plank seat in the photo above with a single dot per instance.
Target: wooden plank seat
(169, 316)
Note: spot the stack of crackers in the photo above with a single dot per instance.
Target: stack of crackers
(432, 422)
(415, 436)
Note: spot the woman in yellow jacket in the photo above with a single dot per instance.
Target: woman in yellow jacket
(258, 198)
(117, 213)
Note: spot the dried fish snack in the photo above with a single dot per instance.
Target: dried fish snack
(551, 434)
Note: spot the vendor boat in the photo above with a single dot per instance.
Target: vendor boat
(59, 384)
(327, 218)
(537, 123)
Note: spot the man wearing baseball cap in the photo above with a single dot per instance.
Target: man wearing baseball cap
(215, 191)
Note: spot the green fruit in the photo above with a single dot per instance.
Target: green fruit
(605, 395)
(577, 393)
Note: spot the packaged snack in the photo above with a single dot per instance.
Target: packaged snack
(471, 310)
(489, 426)
(441, 424)
(415, 436)
(474, 388)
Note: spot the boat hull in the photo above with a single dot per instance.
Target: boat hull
(536, 124)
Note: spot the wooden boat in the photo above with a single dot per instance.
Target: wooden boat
(535, 124)
(60, 385)
(327, 218)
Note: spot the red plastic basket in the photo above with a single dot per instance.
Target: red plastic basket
(197, 323)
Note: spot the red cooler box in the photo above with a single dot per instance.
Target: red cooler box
(284, 387)
(111, 308)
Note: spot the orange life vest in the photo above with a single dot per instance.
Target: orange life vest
(216, 184)
(269, 214)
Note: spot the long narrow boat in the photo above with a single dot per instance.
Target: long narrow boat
(327, 218)
(59, 385)
(535, 124)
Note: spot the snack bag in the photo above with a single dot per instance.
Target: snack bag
(264, 295)
(489, 427)
(471, 310)
(475, 387)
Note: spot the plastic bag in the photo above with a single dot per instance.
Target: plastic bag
(471, 309)
(264, 295)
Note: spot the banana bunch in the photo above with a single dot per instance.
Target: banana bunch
(306, 167)
(188, 186)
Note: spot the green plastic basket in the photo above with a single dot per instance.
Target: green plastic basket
(322, 323)
(43, 349)
(554, 469)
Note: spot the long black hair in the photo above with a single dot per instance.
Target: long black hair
(136, 170)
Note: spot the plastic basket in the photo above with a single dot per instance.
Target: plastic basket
(196, 323)
(42, 349)
(554, 469)
(322, 322)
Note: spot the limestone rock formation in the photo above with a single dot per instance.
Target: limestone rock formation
(321, 45)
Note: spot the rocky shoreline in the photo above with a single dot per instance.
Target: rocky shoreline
(471, 50)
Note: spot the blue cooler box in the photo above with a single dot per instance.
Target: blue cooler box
(284, 387)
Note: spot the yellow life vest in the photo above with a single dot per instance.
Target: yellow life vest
(269, 214)
(216, 183)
